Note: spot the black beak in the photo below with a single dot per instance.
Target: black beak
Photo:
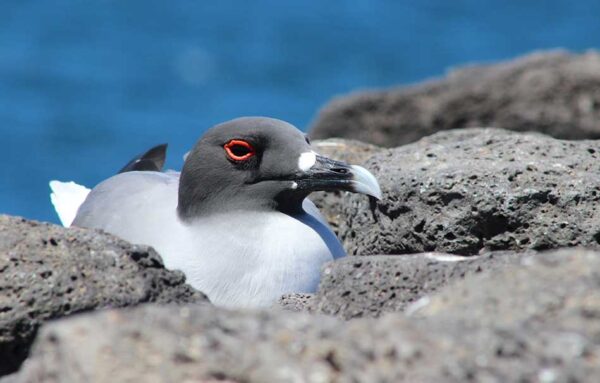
(327, 174)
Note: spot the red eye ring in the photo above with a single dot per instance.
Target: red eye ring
(239, 150)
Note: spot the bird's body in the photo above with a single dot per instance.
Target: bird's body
(238, 258)
(236, 220)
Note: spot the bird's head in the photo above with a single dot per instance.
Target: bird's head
(261, 163)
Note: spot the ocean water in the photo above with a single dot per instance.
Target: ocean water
(85, 85)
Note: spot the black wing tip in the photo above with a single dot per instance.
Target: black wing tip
(151, 160)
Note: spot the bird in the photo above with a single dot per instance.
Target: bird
(236, 220)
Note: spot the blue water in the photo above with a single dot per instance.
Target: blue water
(85, 85)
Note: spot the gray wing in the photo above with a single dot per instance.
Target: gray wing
(332, 241)
(133, 205)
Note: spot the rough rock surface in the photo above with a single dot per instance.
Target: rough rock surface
(471, 190)
(47, 272)
(350, 151)
(294, 301)
(556, 93)
(536, 321)
(355, 287)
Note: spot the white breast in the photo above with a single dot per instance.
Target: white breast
(250, 259)
(240, 259)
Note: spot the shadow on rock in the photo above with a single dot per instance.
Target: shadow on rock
(475, 190)
(48, 272)
(535, 320)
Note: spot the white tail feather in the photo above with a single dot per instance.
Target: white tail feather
(66, 198)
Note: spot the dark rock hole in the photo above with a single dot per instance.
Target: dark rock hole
(491, 225)
(419, 227)
(331, 360)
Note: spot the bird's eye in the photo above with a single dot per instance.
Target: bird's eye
(239, 150)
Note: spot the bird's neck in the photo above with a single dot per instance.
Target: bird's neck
(202, 205)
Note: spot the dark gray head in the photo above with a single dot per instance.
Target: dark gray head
(258, 163)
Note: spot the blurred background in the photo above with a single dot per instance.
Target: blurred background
(86, 85)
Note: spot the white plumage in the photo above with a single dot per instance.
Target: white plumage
(236, 220)
(239, 259)
(66, 198)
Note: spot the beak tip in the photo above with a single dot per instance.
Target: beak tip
(377, 195)
(365, 182)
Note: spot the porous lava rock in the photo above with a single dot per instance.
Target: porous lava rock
(47, 272)
(553, 92)
(468, 191)
(355, 287)
(533, 321)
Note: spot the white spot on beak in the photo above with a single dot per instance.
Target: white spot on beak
(307, 160)
(294, 186)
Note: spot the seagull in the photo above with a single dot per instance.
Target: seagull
(236, 220)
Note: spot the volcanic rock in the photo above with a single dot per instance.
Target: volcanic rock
(48, 272)
(533, 321)
(556, 93)
(474, 190)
